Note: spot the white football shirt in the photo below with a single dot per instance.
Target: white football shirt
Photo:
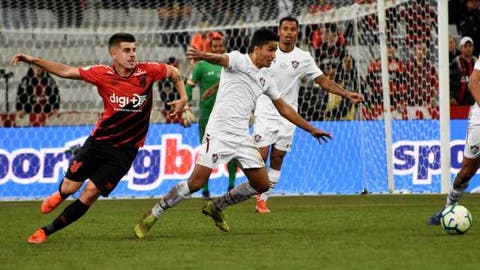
(287, 70)
(474, 117)
(241, 83)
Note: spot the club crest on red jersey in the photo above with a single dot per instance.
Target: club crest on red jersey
(143, 80)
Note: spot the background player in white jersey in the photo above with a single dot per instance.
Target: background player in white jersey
(471, 153)
(272, 132)
(227, 136)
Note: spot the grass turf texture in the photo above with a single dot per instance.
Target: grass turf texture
(305, 232)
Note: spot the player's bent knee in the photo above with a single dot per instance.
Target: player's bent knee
(69, 186)
(90, 194)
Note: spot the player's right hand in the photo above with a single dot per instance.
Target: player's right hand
(22, 58)
(320, 134)
(178, 106)
(194, 54)
(356, 97)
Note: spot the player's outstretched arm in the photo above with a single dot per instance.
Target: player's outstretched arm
(53, 67)
(174, 75)
(334, 88)
(474, 85)
(291, 115)
(214, 58)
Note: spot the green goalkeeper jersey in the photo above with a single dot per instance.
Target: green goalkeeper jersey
(204, 75)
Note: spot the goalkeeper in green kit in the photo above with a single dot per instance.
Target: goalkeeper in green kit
(207, 76)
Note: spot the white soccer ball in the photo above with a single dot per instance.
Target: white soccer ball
(456, 219)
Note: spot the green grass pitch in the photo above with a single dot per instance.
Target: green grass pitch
(303, 232)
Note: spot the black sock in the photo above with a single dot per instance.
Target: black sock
(63, 195)
(71, 213)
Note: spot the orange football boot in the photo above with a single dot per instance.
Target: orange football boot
(261, 206)
(37, 237)
(51, 202)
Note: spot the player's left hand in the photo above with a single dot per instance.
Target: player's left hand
(320, 134)
(356, 97)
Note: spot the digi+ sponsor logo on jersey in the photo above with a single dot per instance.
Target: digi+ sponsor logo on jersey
(122, 101)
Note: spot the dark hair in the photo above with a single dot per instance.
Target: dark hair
(120, 37)
(289, 19)
(261, 37)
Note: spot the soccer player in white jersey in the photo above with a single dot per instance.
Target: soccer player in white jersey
(243, 79)
(471, 152)
(272, 132)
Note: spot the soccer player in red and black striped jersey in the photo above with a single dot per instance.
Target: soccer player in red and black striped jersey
(106, 156)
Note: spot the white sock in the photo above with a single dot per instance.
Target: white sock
(238, 194)
(454, 195)
(273, 176)
(177, 194)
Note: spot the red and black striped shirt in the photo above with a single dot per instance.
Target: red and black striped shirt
(127, 102)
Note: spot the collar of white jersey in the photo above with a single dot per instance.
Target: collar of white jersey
(250, 61)
(282, 52)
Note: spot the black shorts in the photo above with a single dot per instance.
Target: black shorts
(102, 163)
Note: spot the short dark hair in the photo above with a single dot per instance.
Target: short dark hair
(288, 19)
(120, 37)
(261, 37)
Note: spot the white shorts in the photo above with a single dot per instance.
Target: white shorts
(215, 151)
(277, 132)
(472, 143)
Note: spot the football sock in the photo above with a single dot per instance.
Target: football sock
(273, 176)
(205, 187)
(238, 194)
(177, 194)
(63, 195)
(232, 173)
(69, 215)
(456, 194)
